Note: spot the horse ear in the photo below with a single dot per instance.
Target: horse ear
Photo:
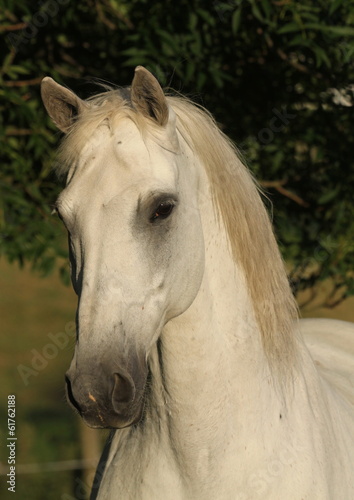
(62, 105)
(147, 96)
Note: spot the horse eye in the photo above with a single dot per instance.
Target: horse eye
(162, 211)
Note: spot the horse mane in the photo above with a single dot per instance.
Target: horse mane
(237, 201)
(236, 196)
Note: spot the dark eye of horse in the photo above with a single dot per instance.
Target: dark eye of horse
(162, 211)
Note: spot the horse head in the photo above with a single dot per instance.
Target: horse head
(135, 239)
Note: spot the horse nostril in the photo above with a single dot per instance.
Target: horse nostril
(70, 395)
(123, 392)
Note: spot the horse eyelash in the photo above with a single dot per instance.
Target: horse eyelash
(54, 208)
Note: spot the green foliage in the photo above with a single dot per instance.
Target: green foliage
(276, 75)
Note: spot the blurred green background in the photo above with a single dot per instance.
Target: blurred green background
(34, 311)
(277, 75)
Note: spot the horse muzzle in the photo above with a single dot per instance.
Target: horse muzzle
(103, 400)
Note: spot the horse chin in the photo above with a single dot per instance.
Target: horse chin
(112, 421)
(99, 419)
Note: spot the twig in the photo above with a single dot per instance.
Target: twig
(332, 305)
(120, 16)
(13, 27)
(331, 302)
(67, 58)
(18, 131)
(10, 15)
(292, 196)
(273, 183)
(294, 64)
(23, 83)
(103, 18)
(282, 2)
(278, 185)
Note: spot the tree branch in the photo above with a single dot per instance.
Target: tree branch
(294, 64)
(23, 83)
(279, 186)
(13, 27)
(18, 131)
(292, 196)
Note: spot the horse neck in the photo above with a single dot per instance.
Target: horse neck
(214, 378)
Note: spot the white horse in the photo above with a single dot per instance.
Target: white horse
(187, 342)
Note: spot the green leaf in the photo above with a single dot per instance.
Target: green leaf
(267, 9)
(335, 4)
(193, 20)
(206, 16)
(255, 11)
(335, 30)
(289, 28)
(236, 20)
(328, 196)
(135, 52)
(321, 57)
(300, 41)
